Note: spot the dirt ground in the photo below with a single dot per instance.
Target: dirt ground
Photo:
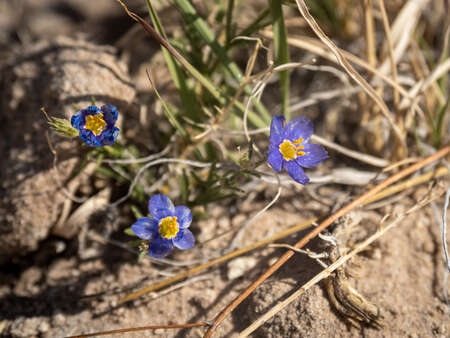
(56, 281)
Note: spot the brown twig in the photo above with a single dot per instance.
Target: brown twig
(142, 328)
(327, 222)
(216, 261)
(328, 270)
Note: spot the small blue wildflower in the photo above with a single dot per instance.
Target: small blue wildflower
(289, 147)
(167, 227)
(96, 125)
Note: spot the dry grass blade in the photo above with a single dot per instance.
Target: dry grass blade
(216, 261)
(317, 47)
(390, 46)
(352, 72)
(372, 160)
(325, 273)
(370, 33)
(385, 193)
(422, 85)
(322, 226)
(403, 28)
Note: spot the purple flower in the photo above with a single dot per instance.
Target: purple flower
(167, 227)
(96, 125)
(289, 147)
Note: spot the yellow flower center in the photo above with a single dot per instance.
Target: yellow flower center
(291, 151)
(95, 123)
(168, 227)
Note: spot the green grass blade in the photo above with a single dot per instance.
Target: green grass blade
(228, 24)
(169, 114)
(256, 25)
(186, 94)
(281, 53)
(437, 128)
(208, 36)
(253, 118)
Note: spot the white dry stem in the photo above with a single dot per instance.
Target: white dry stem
(316, 97)
(67, 192)
(329, 94)
(350, 70)
(402, 30)
(142, 159)
(444, 239)
(156, 162)
(372, 160)
(369, 159)
(347, 176)
(317, 47)
(423, 84)
(444, 229)
(336, 72)
(390, 48)
(307, 252)
(327, 272)
(237, 238)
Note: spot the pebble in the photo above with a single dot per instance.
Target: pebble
(44, 326)
(240, 266)
(59, 319)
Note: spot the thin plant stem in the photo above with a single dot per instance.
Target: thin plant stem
(400, 137)
(325, 273)
(217, 261)
(322, 226)
(190, 105)
(385, 193)
(390, 47)
(256, 120)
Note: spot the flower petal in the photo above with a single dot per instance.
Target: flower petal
(277, 129)
(89, 138)
(160, 247)
(184, 239)
(109, 136)
(275, 158)
(300, 127)
(160, 206)
(110, 114)
(145, 228)
(184, 216)
(78, 119)
(315, 154)
(296, 172)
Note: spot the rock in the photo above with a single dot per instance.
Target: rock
(239, 266)
(25, 327)
(57, 75)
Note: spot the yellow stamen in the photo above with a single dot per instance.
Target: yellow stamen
(290, 151)
(168, 227)
(95, 123)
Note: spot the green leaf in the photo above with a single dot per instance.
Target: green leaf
(129, 232)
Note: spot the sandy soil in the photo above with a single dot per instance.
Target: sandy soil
(53, 285)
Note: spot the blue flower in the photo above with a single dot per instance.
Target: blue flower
(167, 227)
(96, 125)
(289, 147)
